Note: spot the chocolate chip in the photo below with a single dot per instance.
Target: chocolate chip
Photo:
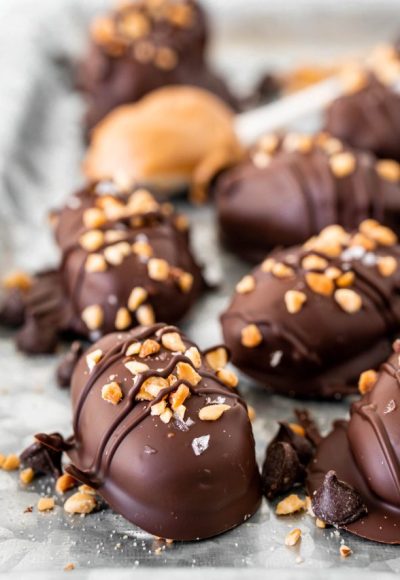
(336, 502)
(68, 363)
(281, 470)
(44, 461)
(12, 309)
(301, 445)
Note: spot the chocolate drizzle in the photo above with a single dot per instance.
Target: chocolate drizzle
(320, 347)
(109, 453)
(296, 170)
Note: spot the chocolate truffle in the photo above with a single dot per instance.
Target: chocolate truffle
(143, 46)
(125, 261)
(367, 115)
(174, 138)
(290, 187)
(309, 319)
(364, 452)
(171, 448)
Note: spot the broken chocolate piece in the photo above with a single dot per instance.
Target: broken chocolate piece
(336, 502)
(43, 460)
(68, 363)
(309, 425)
(12, 310)
(300, 444)
(282, 469)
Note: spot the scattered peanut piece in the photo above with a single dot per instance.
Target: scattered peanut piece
(145, 314)
(246, 285)
(217, 358)
(19, 280)
(342, 164)
(93, 316)
(148, 348)
(80, 503)
(45, 504)
(294, 301)
(345, 551)
(68, 567)
(194, 356)
(290, 505)
(348, 300)
(137, 297)
(158, 269)
(319, 283)
(64, 483)
(320, 524)
(26, 475)
(298, 429)
(122, 319)
(293, 537)
(187, 373)
(11, 462)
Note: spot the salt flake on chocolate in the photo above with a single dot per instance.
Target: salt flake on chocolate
(276, 358)
(200, 444)
(390, 407)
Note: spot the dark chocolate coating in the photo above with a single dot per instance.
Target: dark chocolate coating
(321, 349)
(368, 119)
(365, 453)
(121, 67)
(283, 197)
(148, 470)
(57, 302)
(42, 459)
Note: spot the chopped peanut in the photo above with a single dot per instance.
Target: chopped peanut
(187, 373)
(158, 408)
(294, 301)
(11, 462)
(367, 381)
(179, 396)
(135, 367)
(342, 164)
(65, 482)
(267, 265)
(388, 169)
(227, 377)
(142, 249)
(320, 524)
(185, 282)
(122, 319)
(387, 266)
(194, 356)
(293, 537)
(348, 300)
(93, 358)
(95, 263)
(80, 503)
(145, 315)
(137, 297)
(94, 217)
(19, 280)
(291, 504)
(46, 504)
(345, 551)
(298, 429)
(111, 392)
(133, 349)
(319, 283)
(251, 336)
(93, 316)
(213, 412)
(346, 280)
(246, 285)
(173, 341)
(314, 262)
(92, 240)
(166, 416)
(158, 269)
(26, 475)
(148, 348)
(217, 358)
(280, 270)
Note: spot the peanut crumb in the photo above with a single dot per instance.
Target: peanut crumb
(367, 381)
(290, 505)
(293, 537)
(111, 392)
(251, 336)
(45, 504)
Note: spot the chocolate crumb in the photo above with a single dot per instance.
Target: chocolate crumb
(67, 364)
(281, 470)
(336, 502)
(28, 509)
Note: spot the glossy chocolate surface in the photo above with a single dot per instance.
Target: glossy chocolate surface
(308, 327)
(184, 478)
(287, 190)
(141, 47)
